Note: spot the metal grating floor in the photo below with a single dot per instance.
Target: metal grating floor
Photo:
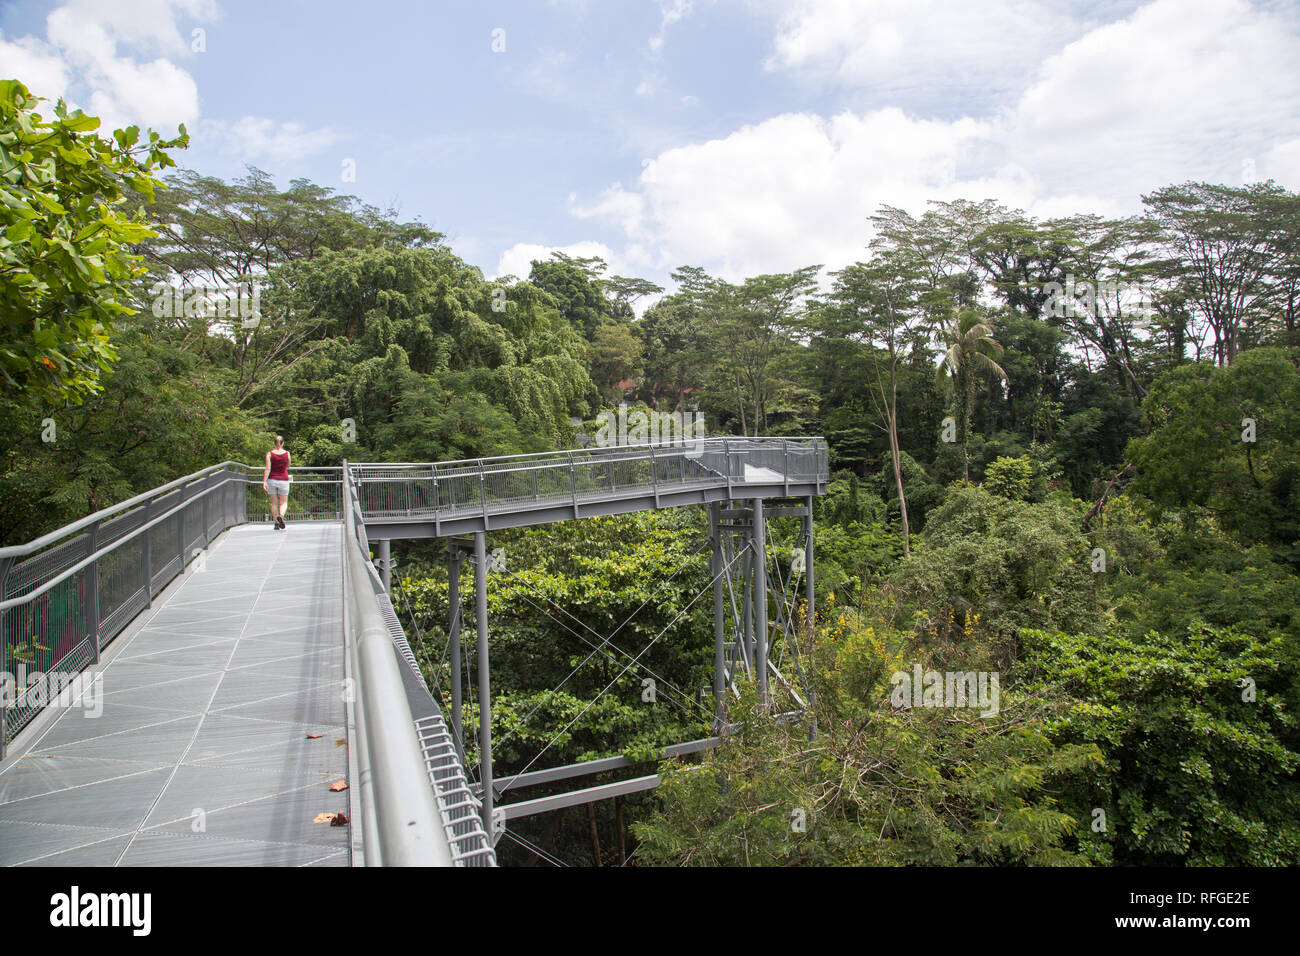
(200, 756)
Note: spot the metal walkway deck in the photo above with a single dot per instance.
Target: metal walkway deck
(200, 752)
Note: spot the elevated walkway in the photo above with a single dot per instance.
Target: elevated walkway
(180, 684)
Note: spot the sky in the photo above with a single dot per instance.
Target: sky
(744, 136)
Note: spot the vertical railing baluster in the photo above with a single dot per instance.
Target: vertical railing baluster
(180, 528)
(573, 484)
(146, 557)
(654, 479)
(203, 510)
(90, 580)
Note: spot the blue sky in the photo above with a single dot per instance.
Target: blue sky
(745, 136)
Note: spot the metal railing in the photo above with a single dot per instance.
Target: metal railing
(66, 595)
(414, 805)
(314, 494)
(487, 485)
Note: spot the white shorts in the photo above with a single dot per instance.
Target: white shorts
(280, 488)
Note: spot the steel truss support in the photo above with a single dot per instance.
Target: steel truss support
(745, 634)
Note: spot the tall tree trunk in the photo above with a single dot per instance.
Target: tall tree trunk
(595, 834)
(896, 454)
(968, 414)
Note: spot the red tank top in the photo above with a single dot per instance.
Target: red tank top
(279, 466)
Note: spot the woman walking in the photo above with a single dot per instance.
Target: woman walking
(275, 481)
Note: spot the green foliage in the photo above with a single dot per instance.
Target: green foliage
(1198, 454)
(877, 787)
(1198, 741)
(1012, 563)
(1119, 684)
(66, 267)
(1010, 478)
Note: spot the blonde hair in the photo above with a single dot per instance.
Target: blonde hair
(279, 441)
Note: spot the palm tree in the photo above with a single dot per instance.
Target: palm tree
(971, 349)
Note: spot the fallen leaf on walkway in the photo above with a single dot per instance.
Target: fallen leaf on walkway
(340, 820)
(314, 736)
(341, 742)
(339, 785)
(325, 818)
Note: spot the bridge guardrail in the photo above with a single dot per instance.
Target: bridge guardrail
(66, 595)
(403, 821)
(483, 484)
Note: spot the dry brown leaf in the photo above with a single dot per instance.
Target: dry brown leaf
(325, 818)
(314, 736)
(339, 785)
(340, 820)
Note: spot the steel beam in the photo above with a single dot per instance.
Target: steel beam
(528, 808)
(588, 767)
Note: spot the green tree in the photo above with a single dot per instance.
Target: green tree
(1228, 440)
(1010, 478)
(66, 266)
(970, 350)
(1193, 727)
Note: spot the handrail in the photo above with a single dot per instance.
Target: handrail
(31, 547)
(28, 596)
(404, 828)
(717, 440)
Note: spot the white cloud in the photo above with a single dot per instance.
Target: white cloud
(940, 46)
(1182, 89)
(1282, 163)
(94, 54)
(36, 64)
(518, 259)
(254, 138)
(649, 85)
(148, 26)
(794, 187)
(671, 11)
(122, 90)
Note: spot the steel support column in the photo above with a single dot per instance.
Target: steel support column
(760, 601)
(747, 606)
(809, 597)
(453, 647)
(484, 683)
(809, 593)
(385, 563)
(719, 628)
